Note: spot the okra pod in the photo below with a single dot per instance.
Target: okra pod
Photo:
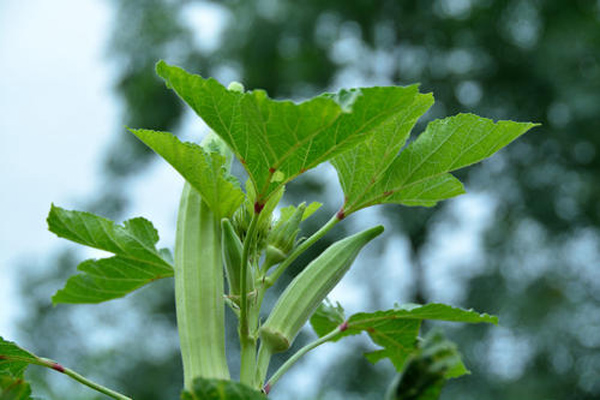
(304, 294)
(199, 290)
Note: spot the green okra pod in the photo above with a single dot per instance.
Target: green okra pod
(304, 294)
(199, 289)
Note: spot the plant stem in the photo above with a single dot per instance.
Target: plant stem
(262, 363)
(247, 342)
(293, 359)
(81, 379)
(271, 279)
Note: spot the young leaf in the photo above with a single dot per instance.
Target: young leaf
(278, 140)
(136, 263)
(203, 169)
(396, 330)
(286, 212)
(327, 317)
(419, 175)
(217, 389)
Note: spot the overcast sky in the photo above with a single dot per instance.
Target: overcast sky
(57, 115)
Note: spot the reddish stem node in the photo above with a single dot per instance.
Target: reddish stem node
(258, 207)
(272, 170)
(58, 367)
(340, 214)
(388, 193)
(343, 326)
(267, 388)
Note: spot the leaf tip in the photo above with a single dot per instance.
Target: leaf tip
(160, 66)
(56, 298)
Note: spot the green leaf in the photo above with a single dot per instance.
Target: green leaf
(278, 140)
(205, 170)
(136, 263)
(426, 193)
(13, 388)
(217, 389)
(13, 363)
(396, 330)
(362, 167)
(419, 175)
(429, 367)
(14, 360)
(286, 212)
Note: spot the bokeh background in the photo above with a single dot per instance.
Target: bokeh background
(523, 244)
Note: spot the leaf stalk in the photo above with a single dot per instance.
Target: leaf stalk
(300, 353)
(81, 379)
(247, 342)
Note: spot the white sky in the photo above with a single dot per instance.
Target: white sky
(57, 115)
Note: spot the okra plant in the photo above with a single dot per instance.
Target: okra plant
(233, 244)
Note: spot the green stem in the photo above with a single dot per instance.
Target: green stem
(81, 379)
(271, 279)
(293, 359)
(247, 342)
(265, 352)
(254, 324)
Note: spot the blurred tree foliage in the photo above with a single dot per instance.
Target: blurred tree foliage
(520, 59)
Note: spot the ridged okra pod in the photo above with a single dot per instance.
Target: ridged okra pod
(199, 290)
(304, 294)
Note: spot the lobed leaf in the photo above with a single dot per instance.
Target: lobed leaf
(136, 263)
(396, 330)
(419, 175)
(278, 140)
(362, 167)
(217, 389)
(203, 169)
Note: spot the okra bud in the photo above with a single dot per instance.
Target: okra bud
(282, 237)
(232, 258)
(302, 297)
